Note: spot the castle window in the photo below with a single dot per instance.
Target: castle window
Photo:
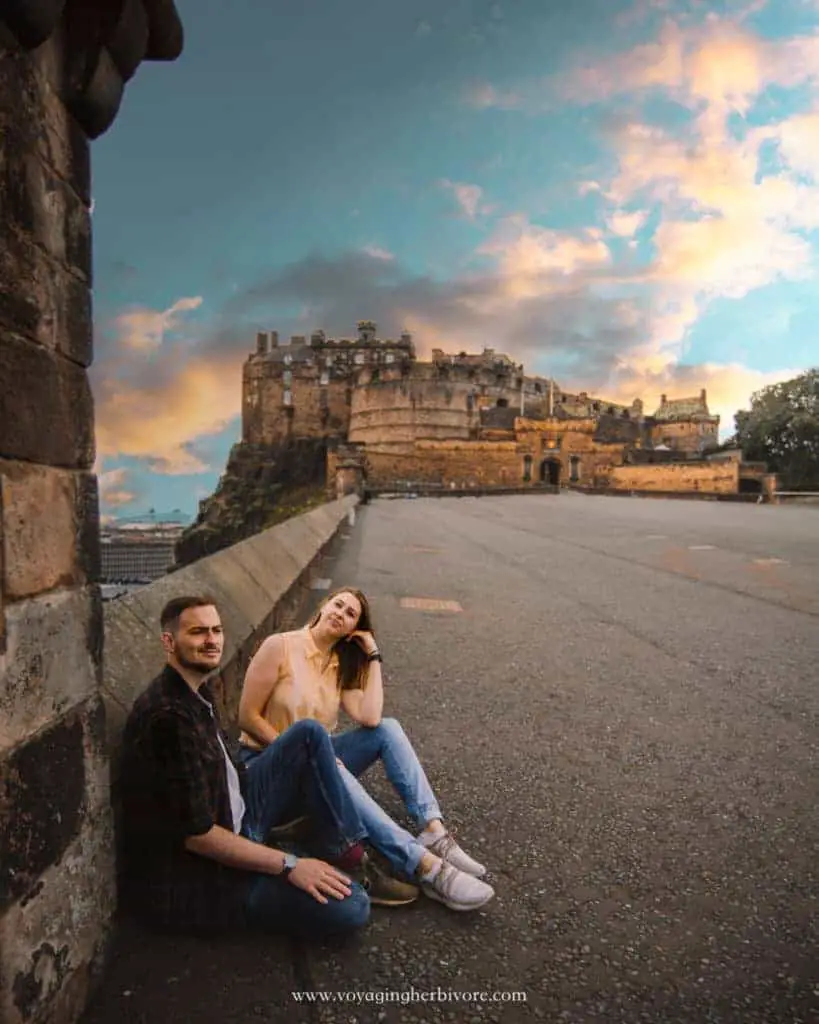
(389, 357)
(574, 466)
(288, 359)
(288, 397)
(527, 468)
(358, 358)
(323, 399)
(287, 377)
(324, 379)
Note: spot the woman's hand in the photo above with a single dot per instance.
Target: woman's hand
(365, 640)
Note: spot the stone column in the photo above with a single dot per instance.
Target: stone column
(62, 72)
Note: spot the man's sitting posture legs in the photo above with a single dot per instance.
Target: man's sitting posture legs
(192, 822)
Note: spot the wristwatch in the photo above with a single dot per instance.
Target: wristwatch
(290, 861)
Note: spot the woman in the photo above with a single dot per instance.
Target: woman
(334, 663)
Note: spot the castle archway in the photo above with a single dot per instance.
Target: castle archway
(550, 472)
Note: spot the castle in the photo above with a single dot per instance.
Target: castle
(458, 420)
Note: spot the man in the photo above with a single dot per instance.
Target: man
(192, 824)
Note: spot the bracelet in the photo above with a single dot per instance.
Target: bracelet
(375, 656)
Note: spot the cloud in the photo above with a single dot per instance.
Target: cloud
(114, 489)
(468, 197)
(160, 383)
(141, 329)
(626, 224)
(377, 253)
(717, 61)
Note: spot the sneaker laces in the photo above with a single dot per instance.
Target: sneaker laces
(445, 880)
(443, 845)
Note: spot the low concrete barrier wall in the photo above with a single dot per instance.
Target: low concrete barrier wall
(256, 583)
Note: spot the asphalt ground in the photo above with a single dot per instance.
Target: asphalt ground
(617, 703)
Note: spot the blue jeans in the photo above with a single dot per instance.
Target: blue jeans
(358, 749)
(299, 770)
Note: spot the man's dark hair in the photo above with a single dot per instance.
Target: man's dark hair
(169, 617)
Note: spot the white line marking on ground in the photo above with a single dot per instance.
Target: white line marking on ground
(770, 561)
(320, 584)
(701, 547)
(657, 536)
(430, 604)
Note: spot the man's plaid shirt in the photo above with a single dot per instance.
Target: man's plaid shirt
(173, 784)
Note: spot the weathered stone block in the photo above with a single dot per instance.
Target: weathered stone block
(36, 202)
(87, 513)
(49, 668)
(48, 415)
(40, 526)
(53, 945)
(41, 300)
(42, 789)
(29, 102)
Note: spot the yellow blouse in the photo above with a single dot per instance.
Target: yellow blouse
(306, 686)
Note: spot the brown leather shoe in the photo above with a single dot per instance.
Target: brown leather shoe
(383, 889)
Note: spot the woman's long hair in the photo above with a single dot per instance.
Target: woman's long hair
(352, 661)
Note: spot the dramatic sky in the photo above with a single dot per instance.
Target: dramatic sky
(622, 195)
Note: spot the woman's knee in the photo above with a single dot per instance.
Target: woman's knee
(391, 729)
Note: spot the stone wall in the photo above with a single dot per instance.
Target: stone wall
(446, 463)
(314, 409)
(62, 73)
(405, 410)
(56, 864)
(705, 477)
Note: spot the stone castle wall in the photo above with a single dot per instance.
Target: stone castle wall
(59, 85)
(705, 477)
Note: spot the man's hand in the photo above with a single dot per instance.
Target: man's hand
(319, 879)
(365, 640)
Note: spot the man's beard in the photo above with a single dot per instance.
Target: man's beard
(199, 667)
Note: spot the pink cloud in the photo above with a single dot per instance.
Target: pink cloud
(154, 411)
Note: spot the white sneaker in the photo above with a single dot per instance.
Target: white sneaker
(456, 889)
(445, 847)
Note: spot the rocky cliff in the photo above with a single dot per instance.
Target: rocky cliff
(261, 486)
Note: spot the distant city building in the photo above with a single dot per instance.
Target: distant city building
(137, 549)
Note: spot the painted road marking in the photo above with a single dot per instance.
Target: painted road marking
(320, 584)
(420, 549)
(657, 536)
(701, 547)
(430, 604)
(770, 561)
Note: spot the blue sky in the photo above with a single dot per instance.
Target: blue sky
(623, 195)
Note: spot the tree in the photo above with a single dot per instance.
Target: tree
(782, 429)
